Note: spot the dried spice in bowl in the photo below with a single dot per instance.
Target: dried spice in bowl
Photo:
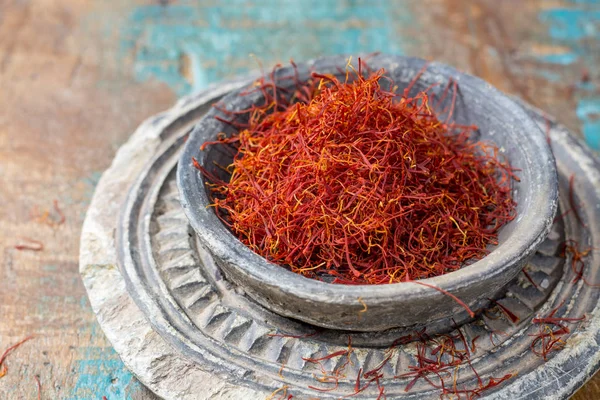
(349, 182)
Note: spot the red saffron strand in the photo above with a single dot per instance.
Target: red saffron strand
(513, 318)
(196, 164)
(375, 371)
(281, 396)
(446, 293)
(364, 309)
(337, 373)
(492, 333)
(39, 387)
(327, 357)
(60, 213)
(324, 389)
(448, 359)
(548, 339)
(473, 346)
(551, 330)
(46, 217)
(8, 351)
(351, 183)
(31, 244)
(415, 79)
(357, 384)
(529, 278)
(571, 247)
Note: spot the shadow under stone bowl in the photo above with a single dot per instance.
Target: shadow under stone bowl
(336, 306)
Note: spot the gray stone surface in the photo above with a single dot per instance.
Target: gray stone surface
(187, 333)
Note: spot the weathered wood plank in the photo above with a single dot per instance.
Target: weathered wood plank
(62, 116)
(78, 76)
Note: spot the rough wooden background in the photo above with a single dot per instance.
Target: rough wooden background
(77, 77)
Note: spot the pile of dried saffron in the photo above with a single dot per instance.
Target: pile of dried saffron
(360, 185)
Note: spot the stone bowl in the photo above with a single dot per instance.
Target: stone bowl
(406, 305)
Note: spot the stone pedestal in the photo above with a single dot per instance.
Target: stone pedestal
(187, 333)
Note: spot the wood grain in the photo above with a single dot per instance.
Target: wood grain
(62, 116)
(77, 77)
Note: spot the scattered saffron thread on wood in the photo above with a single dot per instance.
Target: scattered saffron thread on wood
(39, 387)
(46, 218)
(60, 213)
(8, 351)
(29, 244)
(377, 197)
(41, 218)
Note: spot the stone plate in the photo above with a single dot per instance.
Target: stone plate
(187, 333)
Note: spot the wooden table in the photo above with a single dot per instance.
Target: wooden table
(77, 77)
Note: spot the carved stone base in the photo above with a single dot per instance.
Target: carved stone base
(187, 333)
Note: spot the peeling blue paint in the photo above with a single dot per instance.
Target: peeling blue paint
(100, 376)
(98, 369)
(548, 75)
(48, 281)
(560, 59)
(588, 111)
(593, 2)
(586, 86)
(89, 186)
(571, 28)
(85, 303)
(571, 24)
(214, 42)
(91, 181)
